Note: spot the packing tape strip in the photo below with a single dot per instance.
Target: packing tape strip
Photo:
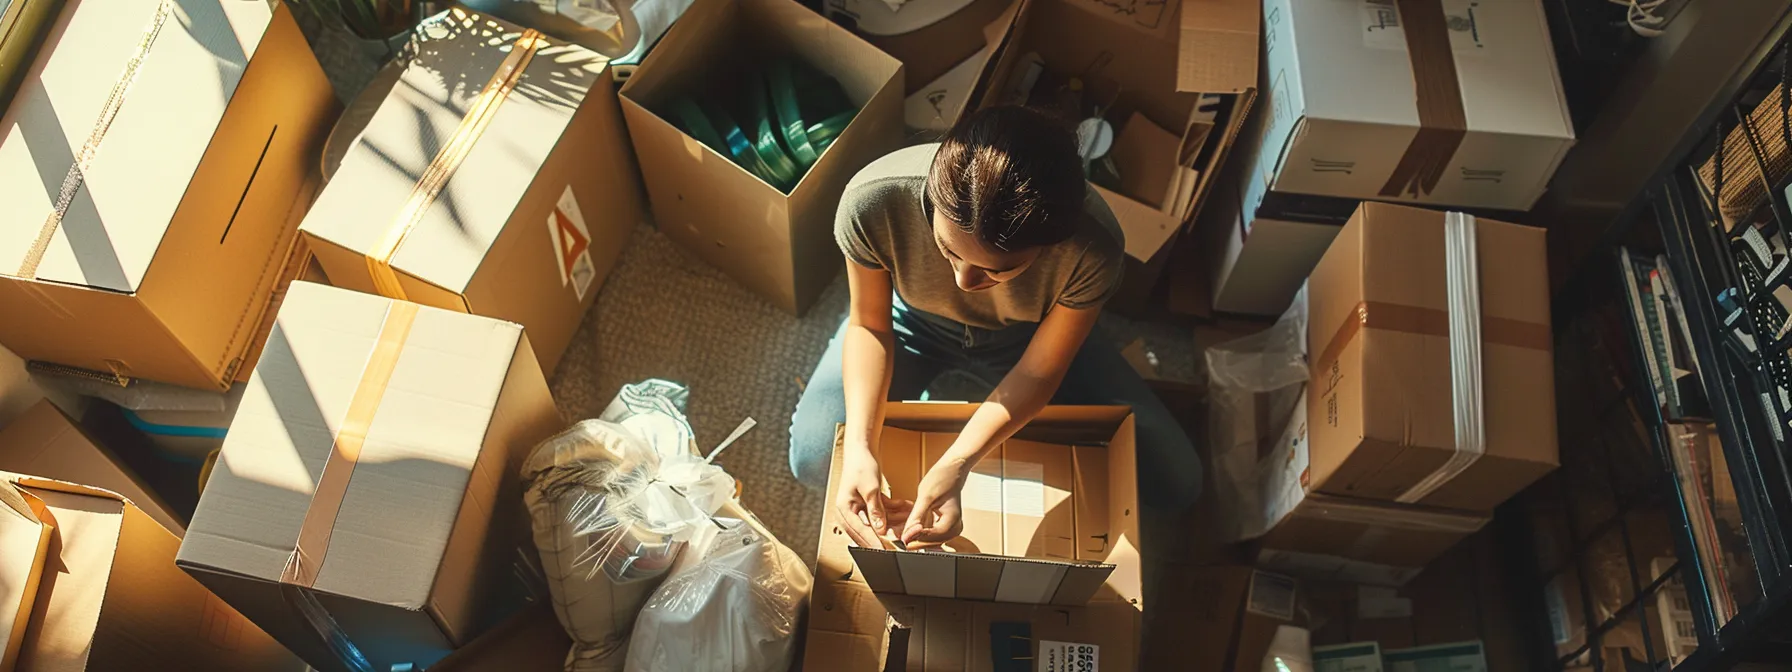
(448, 159)
(1462, 282)
(77, 171)
(320, 516)
(1383, 515)
(334, 638)
(1438, 97)
(1425, 322)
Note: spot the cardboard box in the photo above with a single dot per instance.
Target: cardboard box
(980, 565)
(550, 150)
(1319, 536)
(164, 253)
(1261, 245)
(115, 600)
(530, 641)
(45, 442)
(1361, 657)
(1038, 516)
(944, 64)
(781, 246)
(25, 532)
(1452, 103)
(1458, 656)
(431, 411)
(1229, 623)
(1382, 413)
(853, 628)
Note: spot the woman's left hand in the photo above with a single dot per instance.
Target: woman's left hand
(935, 518)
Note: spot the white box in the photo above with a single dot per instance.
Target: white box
(1343, 101)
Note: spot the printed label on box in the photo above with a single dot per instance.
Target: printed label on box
(572, 244)
(1068, 657)
(1271, 595)
(1382, 29)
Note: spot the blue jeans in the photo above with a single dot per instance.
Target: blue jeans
(1170, 472)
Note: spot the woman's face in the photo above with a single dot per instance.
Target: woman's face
(975, 265)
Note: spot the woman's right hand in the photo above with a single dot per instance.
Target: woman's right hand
(860, 500)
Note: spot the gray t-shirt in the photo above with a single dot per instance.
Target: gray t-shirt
(881, 224)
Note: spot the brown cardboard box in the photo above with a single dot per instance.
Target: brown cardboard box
(853, 628)
(531, 641)
(431, 411)
(1038, 511)
(982, 566)
(26, 529)
(44, 442)
(115, 600)
(779, 245)
(1229, 623)
(1132, 58)
(553, 151)
(944, 64)
(1378, 329)
(181, 214)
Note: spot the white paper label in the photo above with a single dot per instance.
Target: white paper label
(1381, 602)
(1068, 657)
(1271, 595)
(572, 244)
(1382, 29)
(982, 492)
(1023, 489)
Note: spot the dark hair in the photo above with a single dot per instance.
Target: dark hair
(1011, 176)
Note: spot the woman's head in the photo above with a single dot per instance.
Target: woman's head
(1006, 182)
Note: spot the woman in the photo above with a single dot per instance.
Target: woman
(986, 252)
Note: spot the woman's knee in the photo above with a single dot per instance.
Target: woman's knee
(811, 452)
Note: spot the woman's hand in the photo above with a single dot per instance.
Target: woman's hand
(860, 499)
(935, 517)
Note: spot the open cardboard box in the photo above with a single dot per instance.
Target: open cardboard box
(1176, 115)
(780, 246)
(1051, 518)
(944, 64)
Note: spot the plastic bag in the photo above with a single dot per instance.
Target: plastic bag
(611, 503)
(731, 605)
(1253, 384)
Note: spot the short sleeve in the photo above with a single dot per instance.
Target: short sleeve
(1095, 277)
(850, 231)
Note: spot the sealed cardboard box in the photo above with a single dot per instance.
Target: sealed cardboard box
(1384, 390)
(1020, 536)
(852, 627)
(142, 236)
(512, 201)
(1319, 536)
(1261, 245)
(45, 442)
(430, 412)
(115, 600)
(1175, 115)
(1434, 101)
(779, 245)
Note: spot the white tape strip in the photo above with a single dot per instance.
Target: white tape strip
(1462, 280)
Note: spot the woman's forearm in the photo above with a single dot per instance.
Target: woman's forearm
(865, 376)
(1010, 407)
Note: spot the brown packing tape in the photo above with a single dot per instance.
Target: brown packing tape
(448, 159)
(1442, 121)
(320, 517)
(77, 171)
(1383, 516)
(1429, 322)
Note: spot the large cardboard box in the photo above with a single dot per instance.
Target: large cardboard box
(1021, 523)
(1261, 245)
(514, 206)
(143, 236)
(1382, 411)
(1318, 536)
(780, 246)
(944, 64)
(1438, 101)
(45, 442)
(852, 627)
(430, 411)
(1228, 623)
(1175, 114)
(110, 597)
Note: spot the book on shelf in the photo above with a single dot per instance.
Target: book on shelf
(1693, 446)
(1659, 317)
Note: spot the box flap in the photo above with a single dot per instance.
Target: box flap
(415, 462)
(25, 530)
(47, 443)
(1024, 580)
(426, 110)
(140, 153)
(64, 621)
(1219, 46)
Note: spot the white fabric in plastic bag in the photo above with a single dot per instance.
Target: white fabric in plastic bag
(1253, 384)
(731, 604)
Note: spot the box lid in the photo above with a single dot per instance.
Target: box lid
(1218, 46)
(415, 462)
(170, 69)
(457, 54)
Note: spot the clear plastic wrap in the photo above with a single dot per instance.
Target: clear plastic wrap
(1253, 384)
(731, 604)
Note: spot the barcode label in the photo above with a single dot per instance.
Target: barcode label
(1272, 595)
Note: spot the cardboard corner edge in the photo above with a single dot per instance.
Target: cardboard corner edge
(1231, 38)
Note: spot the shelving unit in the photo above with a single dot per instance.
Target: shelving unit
(1663, 542)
